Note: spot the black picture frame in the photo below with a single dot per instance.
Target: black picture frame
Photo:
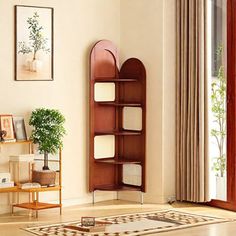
(19, 128)
(28, 69)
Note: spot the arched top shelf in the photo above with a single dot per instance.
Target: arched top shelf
(133, 69)
(104, 61)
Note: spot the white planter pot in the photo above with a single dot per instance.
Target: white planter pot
(221, 188)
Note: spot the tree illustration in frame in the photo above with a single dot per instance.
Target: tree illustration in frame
(34, 43)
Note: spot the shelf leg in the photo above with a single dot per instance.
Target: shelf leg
(117, 195)
(60, 201)
(141, 198)
(30, 211)
(9, 199)
(18, 181)
(36, 203)
(93, 197)
(12, 210)
(18, 198)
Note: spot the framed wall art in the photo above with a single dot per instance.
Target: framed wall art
(19, 128)
(6, 124)
(33, 43)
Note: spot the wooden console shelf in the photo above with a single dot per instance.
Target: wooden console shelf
(35, 204)
(107, 117)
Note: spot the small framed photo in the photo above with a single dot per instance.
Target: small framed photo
(19, 128)
(87, 221)
(6, 124)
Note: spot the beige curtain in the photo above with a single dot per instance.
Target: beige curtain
(192, 126)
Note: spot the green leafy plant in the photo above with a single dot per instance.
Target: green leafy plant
(48, 131)
(218, 100)
(36, 39)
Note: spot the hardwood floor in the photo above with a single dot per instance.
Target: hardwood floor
(11, 225)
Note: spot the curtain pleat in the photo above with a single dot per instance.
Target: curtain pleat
(192, 169)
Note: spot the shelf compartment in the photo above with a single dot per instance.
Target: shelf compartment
(111, 79)
(122, 104)
(117, 188)
(118, 133)
(120, 161)
(37, 205)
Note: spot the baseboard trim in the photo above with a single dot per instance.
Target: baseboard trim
(99, 197)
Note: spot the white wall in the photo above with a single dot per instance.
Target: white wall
(148, 32)
(78, 25)
(139, 28)
(169, 92)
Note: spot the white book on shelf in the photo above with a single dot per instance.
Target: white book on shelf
(22, 157)
(30, 185)
(9, 140)
(7, 185)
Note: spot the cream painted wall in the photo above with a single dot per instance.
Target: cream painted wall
(148, 32)
(78, 25)
(140, 28)
(169, 92)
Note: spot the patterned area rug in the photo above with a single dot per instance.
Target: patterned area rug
(132, 224)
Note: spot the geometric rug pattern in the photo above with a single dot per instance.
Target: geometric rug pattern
(132, 224)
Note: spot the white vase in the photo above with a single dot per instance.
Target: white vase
(36, 65)
(221, 188)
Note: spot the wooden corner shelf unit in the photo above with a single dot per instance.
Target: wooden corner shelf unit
(34, 203)
(107, 118)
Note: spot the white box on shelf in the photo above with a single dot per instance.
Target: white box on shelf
(23, 157)
(7, 185)
(5, 177)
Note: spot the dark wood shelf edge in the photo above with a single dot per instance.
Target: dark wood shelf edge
(128, 132)
(119, 104)
(104, 79)
(117, 188)
(117, 161)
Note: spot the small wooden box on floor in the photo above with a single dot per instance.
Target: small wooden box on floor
(100, 226)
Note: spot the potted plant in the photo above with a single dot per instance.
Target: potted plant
(218, 101)
(36, 43)
(48, 131)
